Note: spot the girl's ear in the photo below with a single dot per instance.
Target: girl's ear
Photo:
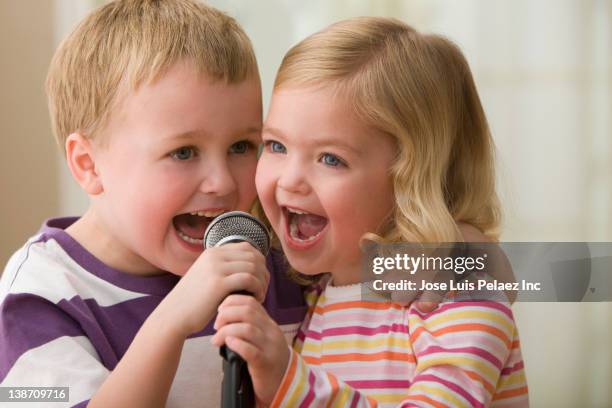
(81, 162)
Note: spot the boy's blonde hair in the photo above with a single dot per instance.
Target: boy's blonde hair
(419, 89)
(129, 42)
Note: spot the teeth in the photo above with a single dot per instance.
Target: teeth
(189, 239)
(206, 213)
(296, 211)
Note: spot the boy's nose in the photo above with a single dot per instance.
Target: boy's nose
(293, 179)
(218, 180)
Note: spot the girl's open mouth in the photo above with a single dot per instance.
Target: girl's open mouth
(303, 228)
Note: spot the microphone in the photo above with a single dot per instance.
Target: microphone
(236, 226)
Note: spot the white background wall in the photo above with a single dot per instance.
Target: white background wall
(543, 69)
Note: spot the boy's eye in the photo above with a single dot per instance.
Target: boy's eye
(331, 160)
(241, 147)
(275, 147)
(183, 153)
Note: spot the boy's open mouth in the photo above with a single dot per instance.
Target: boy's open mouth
(303, 226)
(191, 226)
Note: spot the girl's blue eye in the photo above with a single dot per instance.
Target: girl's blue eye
(183, 153)
(275, 147)
(240, 147)
(331, 160)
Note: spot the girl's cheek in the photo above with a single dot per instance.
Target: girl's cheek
(260, 180)
(264, 176)
(266, 187)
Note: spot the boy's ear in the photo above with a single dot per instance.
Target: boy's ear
(81, 162)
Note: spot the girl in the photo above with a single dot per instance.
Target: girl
(375, 130)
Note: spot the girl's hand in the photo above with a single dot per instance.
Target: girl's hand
(244, 326)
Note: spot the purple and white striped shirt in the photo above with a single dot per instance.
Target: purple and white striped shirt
(66, 319)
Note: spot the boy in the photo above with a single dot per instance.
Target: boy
(157, 105)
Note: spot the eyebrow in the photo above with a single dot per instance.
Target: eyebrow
(274, 131)
(319, 141)
(190, 134)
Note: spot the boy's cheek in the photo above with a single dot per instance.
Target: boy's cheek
(150, 219)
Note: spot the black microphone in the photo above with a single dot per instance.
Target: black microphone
(236, 226)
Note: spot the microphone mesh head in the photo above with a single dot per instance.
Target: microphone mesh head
(236, 226)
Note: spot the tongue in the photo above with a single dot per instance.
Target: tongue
(191, 225)
(310, 224)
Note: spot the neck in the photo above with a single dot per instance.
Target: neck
(346, 276)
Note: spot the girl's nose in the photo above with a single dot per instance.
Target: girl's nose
(293, 178)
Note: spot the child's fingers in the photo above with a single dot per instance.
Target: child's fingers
(403, 297)
(235, 314)
(233, 252)
(430, 299)
(254, 307)
(245, 331)
(236, 300)
(245, 281)
(427, 306)
(242, 251)
(237, 266)
(266, 274)
(257, 269)
(246, 350)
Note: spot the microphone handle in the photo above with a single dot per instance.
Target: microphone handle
(237, 387)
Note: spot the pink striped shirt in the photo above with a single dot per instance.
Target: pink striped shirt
(361, 352)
